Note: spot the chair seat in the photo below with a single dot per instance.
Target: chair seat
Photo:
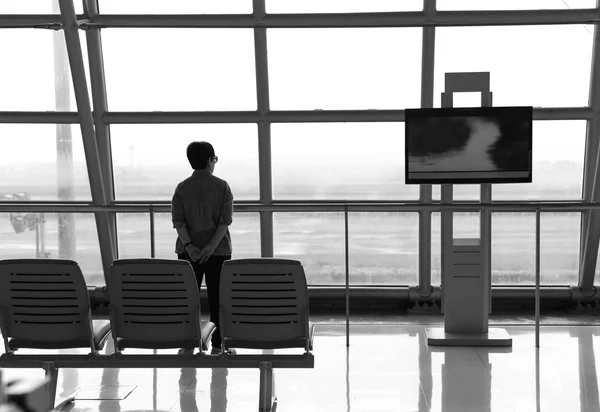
(101, 331)
(206, 330)
(274, 344)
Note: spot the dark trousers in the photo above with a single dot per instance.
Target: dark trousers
(212, 269)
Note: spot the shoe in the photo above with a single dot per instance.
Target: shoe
(186, 351)
(216, 351)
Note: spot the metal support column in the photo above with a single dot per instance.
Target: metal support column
(64, 146)
(591, 190)
(347, 270)
(86, 121)
(425, 191)
(267, 401)
(264, 131)
(538, 271)
(52, 376)
(98, 83)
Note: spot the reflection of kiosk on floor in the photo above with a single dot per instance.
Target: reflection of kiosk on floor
(29, 221)
(450, 146)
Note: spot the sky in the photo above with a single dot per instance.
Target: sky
(374, 68)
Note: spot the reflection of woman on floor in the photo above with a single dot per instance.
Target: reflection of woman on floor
(187, 390)
(218, 390)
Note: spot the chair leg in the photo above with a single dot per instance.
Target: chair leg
(267, 401)
(52, 375)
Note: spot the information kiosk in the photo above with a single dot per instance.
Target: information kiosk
(466, 263)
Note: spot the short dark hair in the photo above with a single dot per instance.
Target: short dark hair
(198, 154)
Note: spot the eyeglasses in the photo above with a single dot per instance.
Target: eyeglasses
(215, 158)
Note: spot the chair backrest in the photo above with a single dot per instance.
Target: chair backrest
(153, 300)
(263, 299)
(44, 300)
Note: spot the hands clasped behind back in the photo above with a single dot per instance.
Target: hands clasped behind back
(197, 254)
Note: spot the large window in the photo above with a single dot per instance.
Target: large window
(149, 160)
(530, 65)
(42, 162)
(309, 69)
(514, 4)
(135, 240)
(53, 235)
(352, 161)
(35, 7)
(346, 6)
(38, 77)
(335, 69)
(175, 7)
(383, 248)
(179, 69)
(316, 240)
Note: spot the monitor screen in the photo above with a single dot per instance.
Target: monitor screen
(468, 145)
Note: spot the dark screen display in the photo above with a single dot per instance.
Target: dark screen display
(472, 145)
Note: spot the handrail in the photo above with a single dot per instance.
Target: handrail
(310, 206)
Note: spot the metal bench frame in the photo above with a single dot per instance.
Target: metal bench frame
(265, 363)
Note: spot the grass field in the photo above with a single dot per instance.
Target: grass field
(383, 247)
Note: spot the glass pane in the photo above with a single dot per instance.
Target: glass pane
(175, 7)
(513, 248)
(56, 236)
(179, 69)
(369, 68)
(553, 69)
(514, 4)
(561, 234)
(339, 161)
(134, 235)
(383, 248)
(38, 77)
(316, 240)
(149, 160)
(459, 192)
(35, 7)
(346, 6)
(43, 162)
(558, 154)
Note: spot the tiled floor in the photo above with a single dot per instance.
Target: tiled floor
(386, 368)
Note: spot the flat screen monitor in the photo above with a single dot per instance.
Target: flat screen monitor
(468, 145)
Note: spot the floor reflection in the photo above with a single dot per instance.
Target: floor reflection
(218, 390)
(588, 378)
(188, 389)
(384, 373)
(466, 379)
